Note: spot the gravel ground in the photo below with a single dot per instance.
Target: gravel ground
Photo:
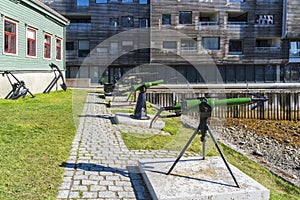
(273, 144)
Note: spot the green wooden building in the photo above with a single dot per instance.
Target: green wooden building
(32, 36)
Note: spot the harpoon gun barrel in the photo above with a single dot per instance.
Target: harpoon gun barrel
(192, 105)
(147, 84)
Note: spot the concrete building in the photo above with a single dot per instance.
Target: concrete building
(247, 42)
(33, 36)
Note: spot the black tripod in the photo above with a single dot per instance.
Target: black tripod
(205, 112)
(18, 89)
(55, 79)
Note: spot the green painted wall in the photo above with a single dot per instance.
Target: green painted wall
(26, 16)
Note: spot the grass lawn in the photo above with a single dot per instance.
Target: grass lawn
(280, 189)
(35, 138)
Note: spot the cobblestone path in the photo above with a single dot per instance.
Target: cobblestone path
(100, 166)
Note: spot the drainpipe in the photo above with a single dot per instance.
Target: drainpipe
(284, 16)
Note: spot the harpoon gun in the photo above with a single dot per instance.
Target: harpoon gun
(204, 106)
(192, 105)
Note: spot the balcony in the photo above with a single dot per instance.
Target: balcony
(237, 19)
(207, 24)
(267, 49)
(79, 27)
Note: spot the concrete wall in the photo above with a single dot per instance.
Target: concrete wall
(36, 82)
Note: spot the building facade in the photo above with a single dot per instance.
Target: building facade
(249, 41)
(30, 42)
(93, 22)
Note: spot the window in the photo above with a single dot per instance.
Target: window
(127, 21)
(83, 48)
(127, 1)
(114, 48)
(259, 74)
(166, 19)
(58, 48)
(10, 37)
(101, 1)
(127, 46)
(189, 44)
(169, 44)
(47, 46)
(240, 74)
(114, 0)
(235, 47)
(185, 17)
(83, 3)
(114, 22)
(211, 43)
(294, 49)
(31, 42)
(143, 2)
(143, 23)
(70, 46)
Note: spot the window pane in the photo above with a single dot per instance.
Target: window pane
(185, 17)
(270, 71)
(30, 34)
(10, 27)
(189, 44)
(259, 74)
(295, 72)
(240, 74)
(166, 19)
(127, 21)
(211, 43)
(235, 47)
(82, 2)
(127, 1)
(143, 1)
(70, 46)
(250, 74)
(101, 1)
(230, 72)
(84, 45)
(114, 22)
(169, 44)
(143, 23)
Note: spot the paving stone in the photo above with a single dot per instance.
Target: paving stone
(89, 194)
(107, 194)
(63, 194)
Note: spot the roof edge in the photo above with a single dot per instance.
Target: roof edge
(49, 11)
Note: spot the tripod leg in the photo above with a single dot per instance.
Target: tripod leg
(184, 149)
(222, 155)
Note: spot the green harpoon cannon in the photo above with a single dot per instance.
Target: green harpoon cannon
(204, 106)
(192, 105)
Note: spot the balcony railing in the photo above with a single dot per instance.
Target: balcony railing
(268, 49)
(209, 23)
(188, 48)
(79, 27)
(241, 23)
